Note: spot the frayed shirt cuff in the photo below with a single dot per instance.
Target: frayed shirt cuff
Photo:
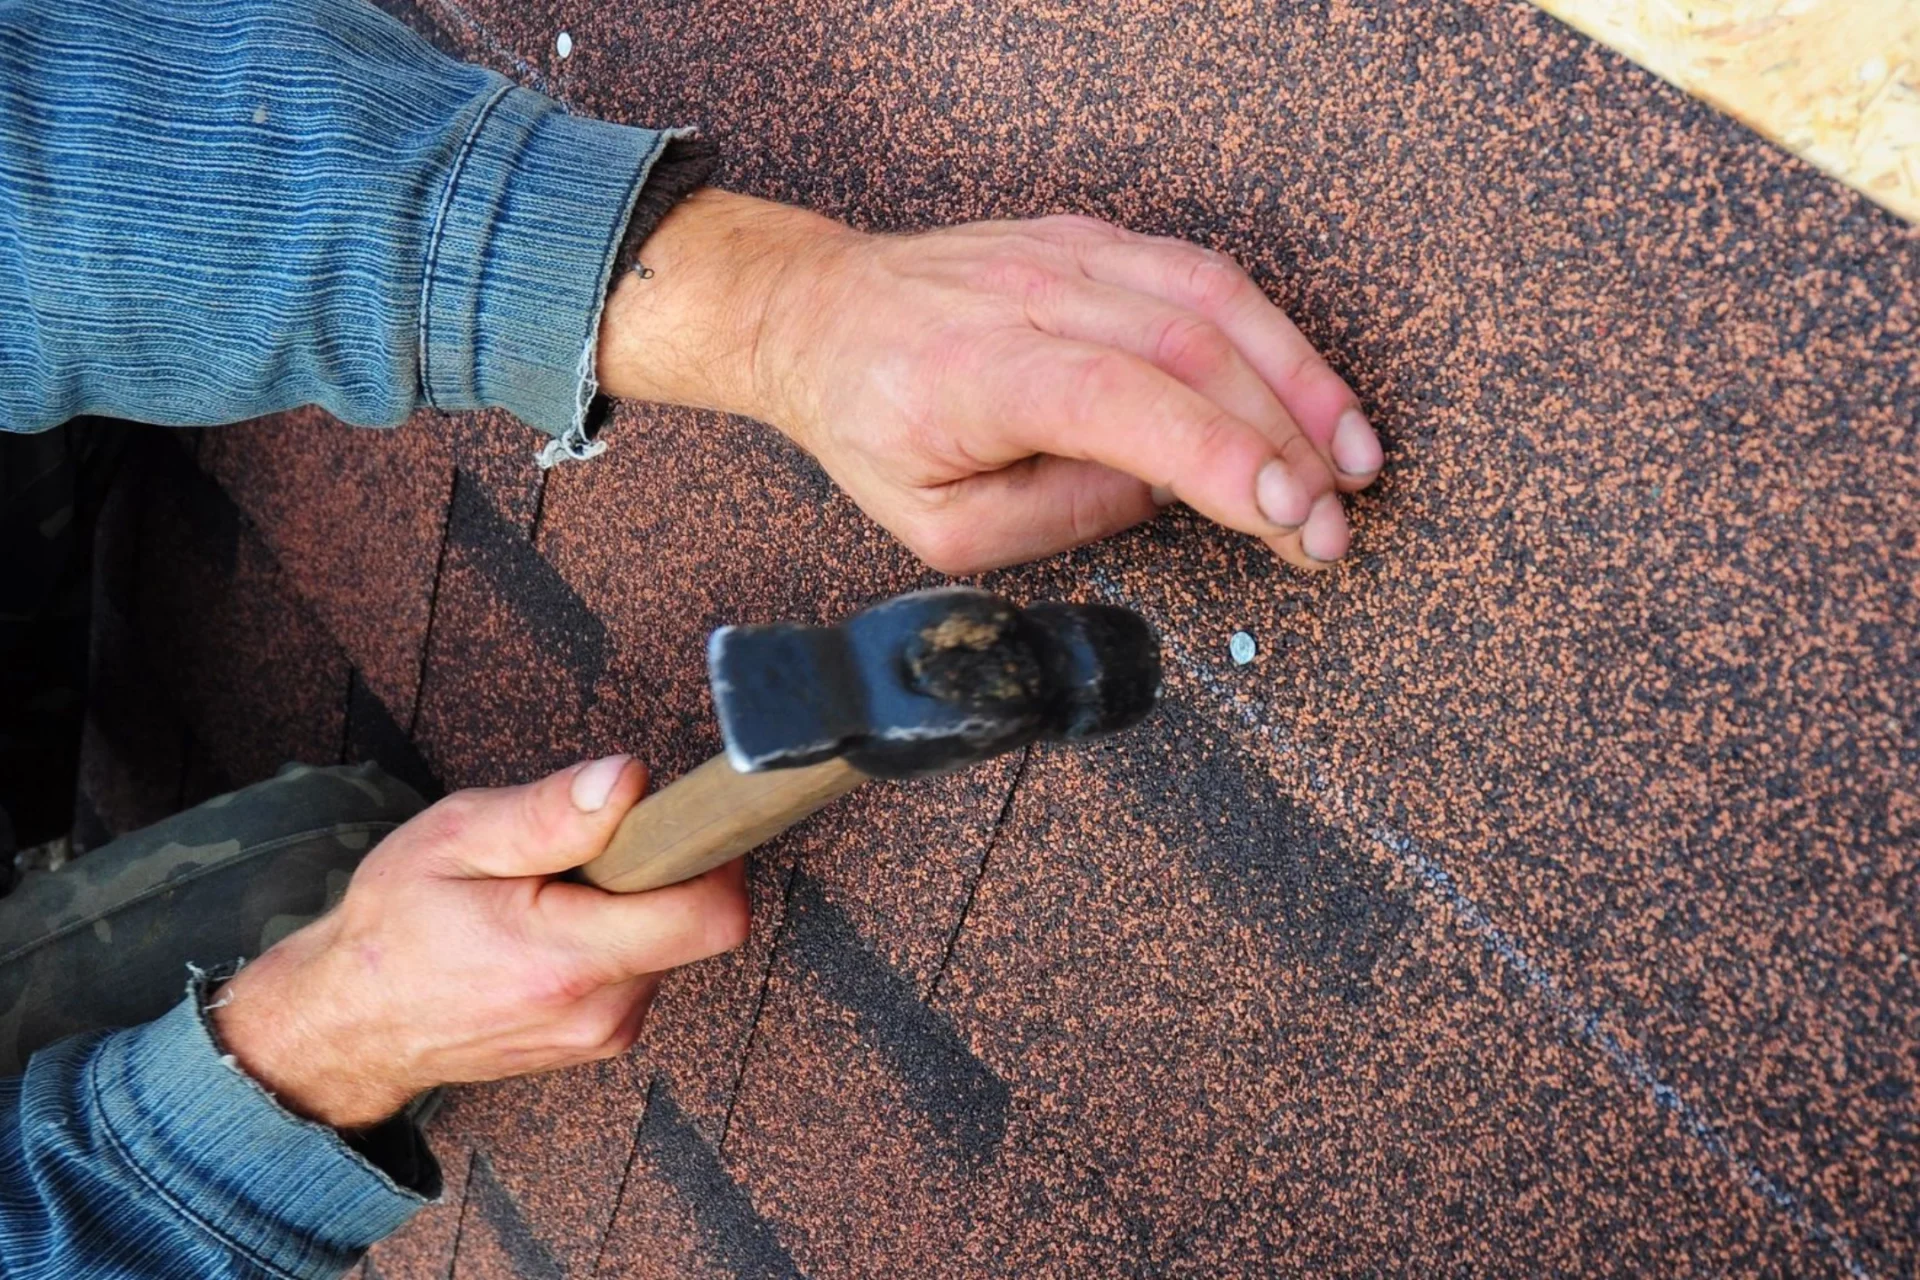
(520, 257)
(211, 1142)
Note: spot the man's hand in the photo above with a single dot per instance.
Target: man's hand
(998, 392)
(457, 956)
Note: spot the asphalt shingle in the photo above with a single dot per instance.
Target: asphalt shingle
(1538, 899)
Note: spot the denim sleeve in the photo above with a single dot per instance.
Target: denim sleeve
(146, 1153)
(212, 210)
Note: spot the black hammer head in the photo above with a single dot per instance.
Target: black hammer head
(930, 681)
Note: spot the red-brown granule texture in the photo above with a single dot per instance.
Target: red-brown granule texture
(1540, 900)
(221, 629)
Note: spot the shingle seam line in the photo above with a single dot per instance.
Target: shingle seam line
(759, 1005)
(979, 875)
(626, 1177)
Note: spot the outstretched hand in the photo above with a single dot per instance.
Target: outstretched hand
(458, 956)
(998, 392)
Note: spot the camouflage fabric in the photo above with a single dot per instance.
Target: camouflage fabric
(104, 941)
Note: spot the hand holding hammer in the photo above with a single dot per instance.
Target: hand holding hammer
(920, 684)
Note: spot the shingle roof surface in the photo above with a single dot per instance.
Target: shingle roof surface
(1540, 900)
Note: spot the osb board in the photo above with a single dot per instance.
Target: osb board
(1837, 82)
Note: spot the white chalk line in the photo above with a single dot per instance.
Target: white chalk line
(1582, 1020)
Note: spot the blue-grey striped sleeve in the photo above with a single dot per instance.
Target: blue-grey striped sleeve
(145, 1152)
(212, 210)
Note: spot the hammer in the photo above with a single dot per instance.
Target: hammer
(920, 684)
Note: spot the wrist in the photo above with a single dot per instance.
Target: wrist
(286, 1023)
(713, 321)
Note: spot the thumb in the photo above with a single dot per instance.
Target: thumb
(1032, 509)
(544, 827)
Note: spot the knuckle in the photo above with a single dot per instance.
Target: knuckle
(1305, 462)
(586, 1035)
(618, 1043)
(1082, 522)
(1212, 279)
(1100, 382)
(542, 820)
(449, 820)
(1215, 432)
(1298, 451)
(560, 986)
(1192, 348)
(1088, 517)
(1305, 366)
(1081, 226)
(1018, 274)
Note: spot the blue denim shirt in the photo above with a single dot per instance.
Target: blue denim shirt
(212, 210)
(147, 1153)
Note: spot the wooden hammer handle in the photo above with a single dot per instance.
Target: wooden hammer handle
(710, 816)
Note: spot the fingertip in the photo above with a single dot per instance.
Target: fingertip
(1283, 497)
(614, 781)
(728, 880)
(593, 783)
(1326, 535)
(730, 928)
(1286, 549)
(719, 911)
(1321, 541)
(738, 917)
(1356, 450)
(634, 781)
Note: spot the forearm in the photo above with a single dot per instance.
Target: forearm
(694, 328)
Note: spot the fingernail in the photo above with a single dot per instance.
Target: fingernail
(1356, 449)
(1325, 534)
(1282, 498)
(1163, 495)
(594, 783)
